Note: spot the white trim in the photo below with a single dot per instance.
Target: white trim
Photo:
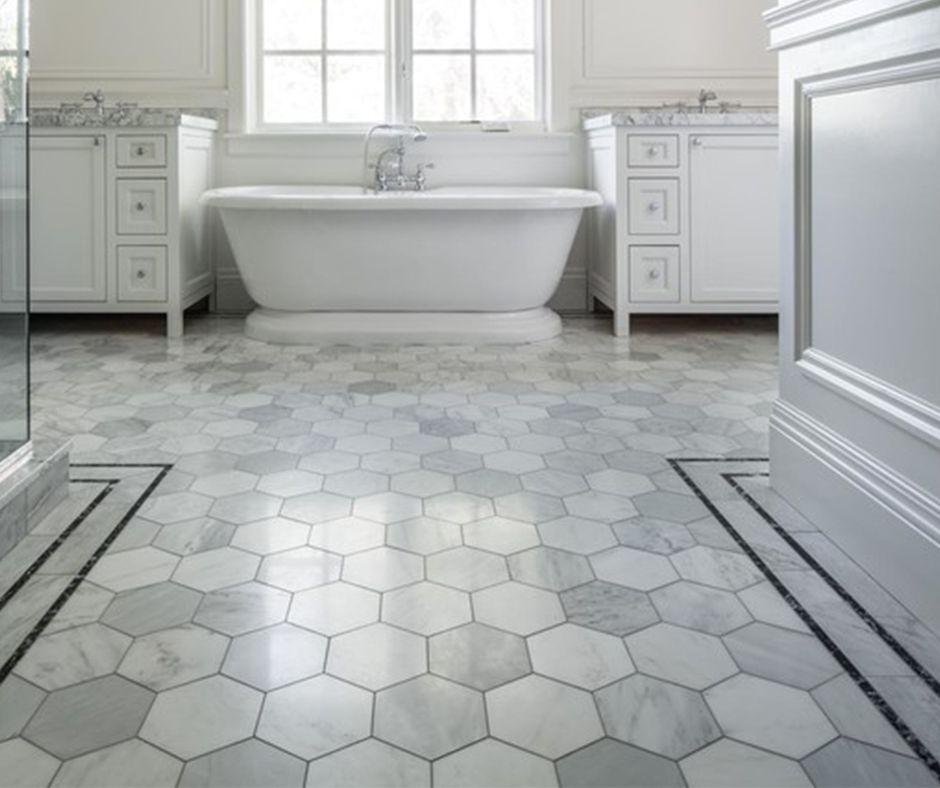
(913, 414)
(843, 19)
(905, 500)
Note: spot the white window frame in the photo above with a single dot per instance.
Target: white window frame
(399, 54)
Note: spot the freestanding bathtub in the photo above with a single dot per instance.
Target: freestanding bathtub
(337, 264)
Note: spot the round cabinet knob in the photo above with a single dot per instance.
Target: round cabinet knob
(651, 152)
(652, 207)
(140, 207)
(654, 274)
(697, 141)
(141, 274)
(140, 151)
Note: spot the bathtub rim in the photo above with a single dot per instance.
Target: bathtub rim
(352, 198)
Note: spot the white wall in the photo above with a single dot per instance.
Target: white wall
(603, 53)
(855, 438)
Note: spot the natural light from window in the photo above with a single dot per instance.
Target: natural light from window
(367, 61)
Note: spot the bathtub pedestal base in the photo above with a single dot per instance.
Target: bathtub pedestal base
(361, 328)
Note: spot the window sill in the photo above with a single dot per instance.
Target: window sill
(348, 143)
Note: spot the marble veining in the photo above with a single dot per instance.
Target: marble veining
(653, 117)
(120, 117)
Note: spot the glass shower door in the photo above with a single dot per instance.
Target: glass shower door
(14, 230)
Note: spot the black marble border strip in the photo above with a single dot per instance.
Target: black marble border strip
(902, 653)
(868, 689)
(76, 581)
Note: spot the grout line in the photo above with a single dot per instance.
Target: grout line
(868, 689)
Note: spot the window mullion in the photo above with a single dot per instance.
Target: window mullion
(324, 48)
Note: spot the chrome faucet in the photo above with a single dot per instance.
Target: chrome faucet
(704, 96)
(98, 98)
(389, 168)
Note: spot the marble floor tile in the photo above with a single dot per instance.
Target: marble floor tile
(730, 764)
(518, 608)
(377, 656)
(273, 657)
(166, 659)
(249, 764)
(494, 764)
(198, 718)
(26, 766)
(133, 764)
(847, 762)
(683, 656)
(315, 717)
(478, 656)
(371, 763)
(543, 716)
(608, 763)
(609, 608)
(579, 656)
(335, 608)
(73, 656)
(426, 608)
(429, 716)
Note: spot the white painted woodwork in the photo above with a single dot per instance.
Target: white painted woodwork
(659, 150)
(654, 274)
(141, 206)
(139, 150)
(68, 247)
(734, 221)
(111, 234)
(855, 437)
(142, 273)
(653, 206)
(703, 220)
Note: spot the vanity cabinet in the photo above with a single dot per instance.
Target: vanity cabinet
(116, 222)
(689, 220)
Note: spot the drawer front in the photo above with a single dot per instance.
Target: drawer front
(654, 274)
(141, 205)
(654, 206)
(659, 150)
(139, 151)
(142, 274)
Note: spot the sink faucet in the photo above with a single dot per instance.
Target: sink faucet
(389, 168)
(98, 98)
(704, 96)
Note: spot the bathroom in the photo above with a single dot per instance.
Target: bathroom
(469, 393)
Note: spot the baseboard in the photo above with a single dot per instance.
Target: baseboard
(883, 521)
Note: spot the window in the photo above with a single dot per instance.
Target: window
(367, 61)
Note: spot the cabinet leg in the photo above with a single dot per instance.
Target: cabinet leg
(621, 323)
(174, 324)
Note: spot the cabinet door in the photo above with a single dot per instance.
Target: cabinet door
(734, 218)
(67, 219)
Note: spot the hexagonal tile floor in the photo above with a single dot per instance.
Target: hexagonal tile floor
(450, 566)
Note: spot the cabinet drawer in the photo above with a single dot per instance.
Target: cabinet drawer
(654, 274)
(141, 274)
(659, 150)
(139, 151)
(654, 206)
(141, 206)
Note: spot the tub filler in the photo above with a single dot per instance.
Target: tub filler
(330, 264)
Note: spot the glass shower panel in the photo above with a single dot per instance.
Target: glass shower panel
(14, 229)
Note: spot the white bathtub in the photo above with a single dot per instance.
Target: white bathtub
(335, 264)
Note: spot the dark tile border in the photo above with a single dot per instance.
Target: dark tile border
(76, 581)
(876, 698)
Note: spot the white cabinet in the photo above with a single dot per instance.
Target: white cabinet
(734, 222)
(689, 221)
(68, 254)
(116, 222)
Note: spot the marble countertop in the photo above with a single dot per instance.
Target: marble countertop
(748, 116)
(118, 117)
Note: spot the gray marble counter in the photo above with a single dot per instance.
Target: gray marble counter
(749, 116)
(119, 117)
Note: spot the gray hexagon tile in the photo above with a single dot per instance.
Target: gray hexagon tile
(730, 763)
(241, 609)
(300, 569)
(518, 608)
(250, 762)
(653, 715)
(633, 568)
(150, 609)
(577, 535)
(172, 657)
(478, 656)
(424, 535)
(126, 764)
(607, 763)
(429, 716)
(501, 535)
(266, 537)
(73, 656)
(467, 569)
(609, 608)
(347, 535)
(698, 607)
(383, 569)
(216, 569)
(682, 656)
